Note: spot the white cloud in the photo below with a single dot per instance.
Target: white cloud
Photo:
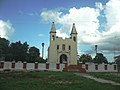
(50, 15)
(84, 18)
(40, 35)
(6, 29)
(88, 25)
(61, 34)
(20, 12)
(112, 28)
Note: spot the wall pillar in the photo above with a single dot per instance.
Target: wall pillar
(96, 67)
(47, 65)
(2, 64)
(57, 66)
(105, 67)
(24, 65)
(13, 65)
(86, 66)
(36, 65)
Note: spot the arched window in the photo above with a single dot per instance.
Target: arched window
(63, 47)
(53, 37)
(57, 47)
(74, 38)
(69, 47)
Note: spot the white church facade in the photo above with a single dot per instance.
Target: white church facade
(63, 50)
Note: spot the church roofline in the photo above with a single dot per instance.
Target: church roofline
(73, 29)
(53, 30)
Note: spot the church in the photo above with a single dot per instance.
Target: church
(63, 51)
(62, 56)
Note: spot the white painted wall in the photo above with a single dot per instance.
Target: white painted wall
(101, 67)
(30, 66)
(41, 66)
(7, 65)
(19, 66)
(52, 67)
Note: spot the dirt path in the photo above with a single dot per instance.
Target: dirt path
(97, 79)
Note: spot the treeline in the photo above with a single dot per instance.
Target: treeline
(19, 51)
(99, 58)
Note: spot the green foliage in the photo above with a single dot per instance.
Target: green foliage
(99, 58)
(4, 47)
(40, 60)
(33, 54)
(19, 52)
(85, 58)
(49, 81)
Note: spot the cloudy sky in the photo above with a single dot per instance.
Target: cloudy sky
(97, 23)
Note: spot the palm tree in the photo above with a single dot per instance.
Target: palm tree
(43, 49)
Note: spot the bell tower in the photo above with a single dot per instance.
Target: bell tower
(74, 33)
(52, 32)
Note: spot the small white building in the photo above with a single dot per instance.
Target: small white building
(63, 50)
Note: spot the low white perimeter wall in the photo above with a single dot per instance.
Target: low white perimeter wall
(7, 65)
(18, 66)
(30, 66)
(91, 67)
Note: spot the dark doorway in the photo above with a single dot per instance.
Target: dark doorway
(63, 58)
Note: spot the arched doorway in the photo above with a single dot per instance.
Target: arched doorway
(63, 58)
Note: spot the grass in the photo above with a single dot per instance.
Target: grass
(107, 75)
(49, 81)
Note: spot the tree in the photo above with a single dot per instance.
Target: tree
(100, 58)
(40, 60)
(33, 54)
(4, 48)
(19, 51)
(85, 58)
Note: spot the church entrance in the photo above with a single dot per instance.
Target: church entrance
(63, 58)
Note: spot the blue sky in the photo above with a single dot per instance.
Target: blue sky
(30, 20)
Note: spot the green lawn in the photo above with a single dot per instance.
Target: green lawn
(49, 81)
(109, 76)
